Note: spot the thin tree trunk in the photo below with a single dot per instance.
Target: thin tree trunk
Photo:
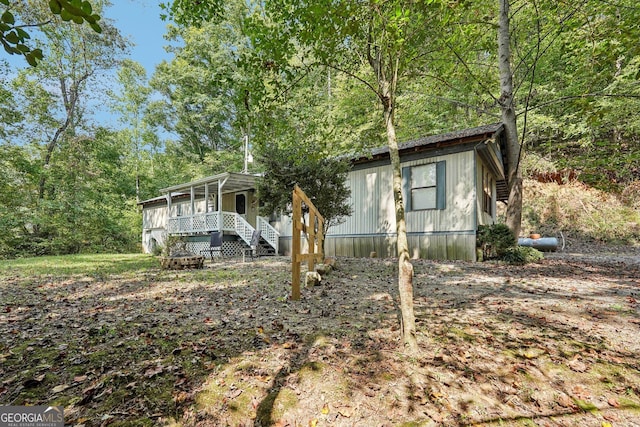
(387, 79)
(405, 268)
(70, 101)
(514, 177)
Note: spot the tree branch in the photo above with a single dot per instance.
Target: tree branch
(586, 95)
(473, 76)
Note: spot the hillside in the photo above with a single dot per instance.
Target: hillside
(577, 213)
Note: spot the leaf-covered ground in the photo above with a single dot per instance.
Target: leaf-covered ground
(550, 344)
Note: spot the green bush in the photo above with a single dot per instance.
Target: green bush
(494, 240)
(522, 255)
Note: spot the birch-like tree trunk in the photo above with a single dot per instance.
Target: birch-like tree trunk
(387, 80)
(405, 268)
(507, 105)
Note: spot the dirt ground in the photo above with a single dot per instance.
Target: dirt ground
(549, 344)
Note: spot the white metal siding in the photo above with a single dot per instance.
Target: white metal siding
(154, 217)
(373, 206)
(437, 234)
(371, 201)
(460, 196)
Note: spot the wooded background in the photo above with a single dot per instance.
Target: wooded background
(70, 184)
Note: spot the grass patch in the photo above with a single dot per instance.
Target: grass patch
(94, 265)
(586, 406)
(285, 400)
(460, 334)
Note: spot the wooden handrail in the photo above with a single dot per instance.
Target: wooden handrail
(314, 238)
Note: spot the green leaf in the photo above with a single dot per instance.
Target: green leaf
(23, 34)
(66, 15)
(8, 18)
(77, 19)
(55, 7)
(4, 2)
(86, 8)
(31, 59)
(97, 28)
(12, 37)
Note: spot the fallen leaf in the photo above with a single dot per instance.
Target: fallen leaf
(610, 417)
(578, 366)
(325, 409)
(613, 402)
(60, 388)
(346, 412)
(234, 393)
(255, 402)
(566, 402)
(153, 371)
(181, 397)
(313, 422)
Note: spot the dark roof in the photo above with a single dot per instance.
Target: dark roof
(450, 138)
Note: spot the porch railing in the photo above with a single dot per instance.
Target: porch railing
(269, 233)
(231, 221)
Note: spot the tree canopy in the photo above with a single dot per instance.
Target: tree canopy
(15, 38)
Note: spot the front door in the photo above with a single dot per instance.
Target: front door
(241, 204)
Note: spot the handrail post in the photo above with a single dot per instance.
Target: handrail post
(298, 226)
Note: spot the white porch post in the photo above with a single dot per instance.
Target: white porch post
(206, 198)
(168, 207)
(220, 185)
(193, 210)
(193, 205)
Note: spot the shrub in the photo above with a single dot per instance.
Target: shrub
(522, 255)
(494, 240)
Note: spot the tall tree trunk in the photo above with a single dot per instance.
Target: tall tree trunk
(70, 98)
(387, 78)
(514, 176)
(405, 268)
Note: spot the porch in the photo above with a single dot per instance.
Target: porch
(226, 202)
(227, 222)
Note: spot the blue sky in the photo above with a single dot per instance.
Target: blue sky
(139, 20)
